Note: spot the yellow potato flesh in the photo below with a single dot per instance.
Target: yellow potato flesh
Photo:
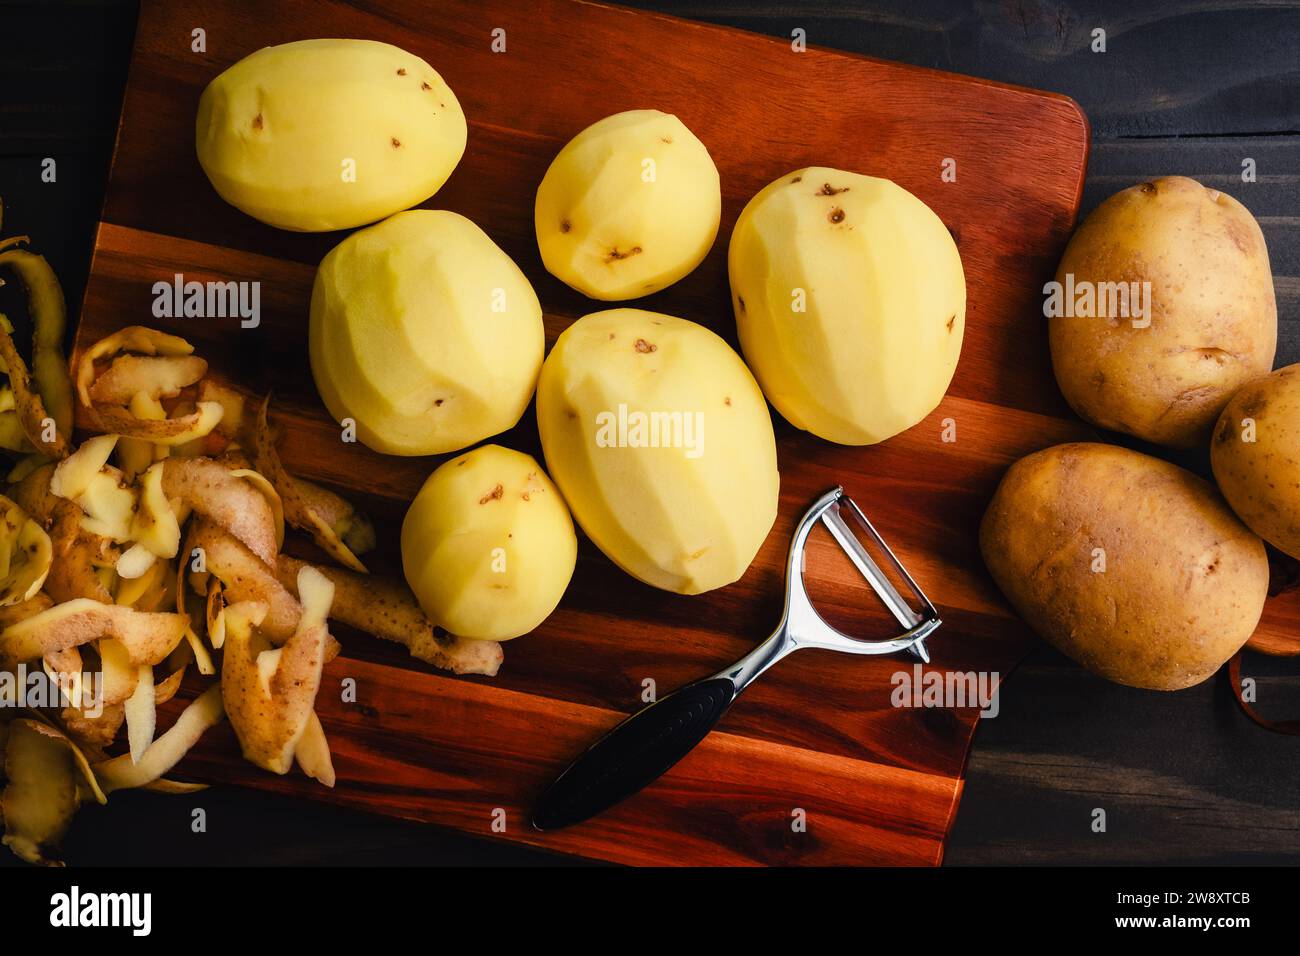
(686, 513)
(628, 207)
(425, 334)
(328, 134)
(488, 546)
(850, 303)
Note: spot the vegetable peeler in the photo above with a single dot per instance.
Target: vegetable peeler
(645, 745)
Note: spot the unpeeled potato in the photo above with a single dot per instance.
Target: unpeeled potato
(1128, 564)
(1211, 322)
(1256, 457)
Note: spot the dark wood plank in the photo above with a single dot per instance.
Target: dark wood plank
(1171, 68)
(1183, 778)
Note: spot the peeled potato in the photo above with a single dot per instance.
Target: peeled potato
(425, 334)
(328, 134)
(662, 444)
(850, 303)
(1256, 457)
(628, 207)
(488, 545)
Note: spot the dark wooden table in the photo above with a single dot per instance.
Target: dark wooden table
(1182, 88)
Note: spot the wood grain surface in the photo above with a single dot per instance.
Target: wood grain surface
(820, 734)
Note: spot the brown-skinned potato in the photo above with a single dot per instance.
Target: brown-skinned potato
(1212, 323)
(1126, 563)
(1256, 457)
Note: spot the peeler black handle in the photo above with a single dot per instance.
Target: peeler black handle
(635, 753)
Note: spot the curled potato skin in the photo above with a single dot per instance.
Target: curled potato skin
(75, 550)
(270, 715)
(155, 375)
(209, 488)
(245, 577)
(148, 636)
(31, 408)
(120, 772)
(41, 793)
(49, 313)
(96, 611)
(153, 364)
(133, 338)
(387, 609)
(299, 510)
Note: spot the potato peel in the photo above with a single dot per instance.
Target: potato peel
(272, 496)
(163, 785)
(72, 476)
(313, 752)
(298, 511)
(147, 636)
(14, 613)
(202, 659)
(121, 772)
(141, 714)
(270, 694)
(32, 413)
(210, 489)
(26, 555)
(158, 376)
(49, 313)
(164, 431)
(41, 791)
(244, 577)
(133, 338)
(94, 731)
(96, 538)
(336, 511)
(388, 610)
(155, 526)
(134, 563)
(108, 506)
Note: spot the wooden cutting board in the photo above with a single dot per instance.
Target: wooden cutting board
(876, 784)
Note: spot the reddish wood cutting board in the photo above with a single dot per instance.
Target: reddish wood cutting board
(878, 784)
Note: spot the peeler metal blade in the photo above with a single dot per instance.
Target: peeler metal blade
(903, 612)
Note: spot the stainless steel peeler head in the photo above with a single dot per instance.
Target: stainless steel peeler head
(806, 628)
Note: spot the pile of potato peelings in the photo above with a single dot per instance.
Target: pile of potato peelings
(133, 557)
